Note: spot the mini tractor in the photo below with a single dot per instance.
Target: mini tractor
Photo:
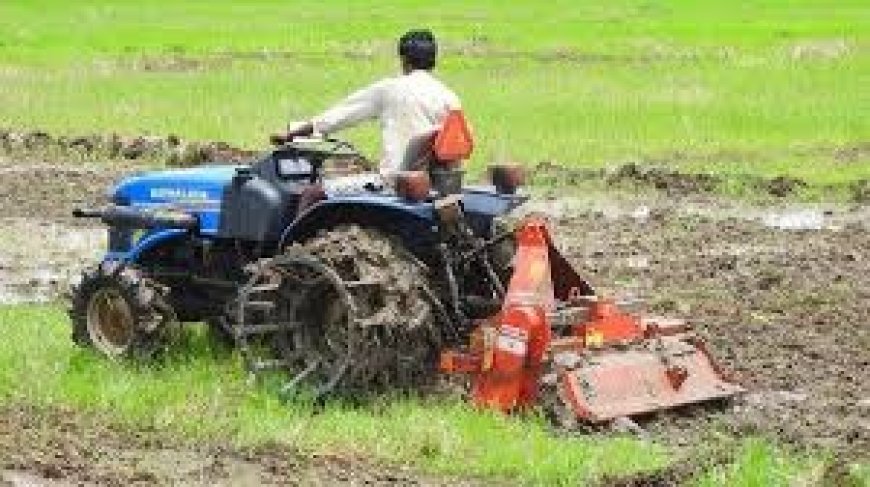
(357, 288)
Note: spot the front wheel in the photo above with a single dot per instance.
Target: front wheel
(120, 313)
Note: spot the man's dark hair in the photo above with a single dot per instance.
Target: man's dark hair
(418, 48)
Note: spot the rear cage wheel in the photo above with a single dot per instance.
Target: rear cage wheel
(345, 314)
(295, 317)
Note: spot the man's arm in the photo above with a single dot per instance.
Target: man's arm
(364, 104)
(361, 105)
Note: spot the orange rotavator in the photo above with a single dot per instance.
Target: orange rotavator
(554, 336)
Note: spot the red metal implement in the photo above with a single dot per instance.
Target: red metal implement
(607, 363)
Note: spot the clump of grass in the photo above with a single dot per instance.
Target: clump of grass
(759, 463)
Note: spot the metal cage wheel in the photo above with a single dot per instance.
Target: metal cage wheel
(295, 317)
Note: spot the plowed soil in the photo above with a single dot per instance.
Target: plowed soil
(781, 297)
(785, 309)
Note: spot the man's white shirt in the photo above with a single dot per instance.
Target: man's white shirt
(410, 109)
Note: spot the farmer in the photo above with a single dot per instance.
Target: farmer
(409, 107)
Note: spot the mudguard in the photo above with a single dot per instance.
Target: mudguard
(412, 222)
(148, 242)
(485, 201)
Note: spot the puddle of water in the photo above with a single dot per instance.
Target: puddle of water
(44, 276)
(18, 478)
(641, 213)
(804, 219)
(40, 259)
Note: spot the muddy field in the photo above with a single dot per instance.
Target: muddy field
(781, 295)
(41, 246)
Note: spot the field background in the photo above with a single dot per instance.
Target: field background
(760, 88)
(765, 88)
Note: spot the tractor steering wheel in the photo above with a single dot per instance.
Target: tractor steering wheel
(322, 147)
(343, 146)
(317, 150)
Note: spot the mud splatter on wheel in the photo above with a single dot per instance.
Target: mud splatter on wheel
(346, 313)
(120, 313)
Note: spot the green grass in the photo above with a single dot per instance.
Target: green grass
(204, 395)
(761, 88)
(760, 465)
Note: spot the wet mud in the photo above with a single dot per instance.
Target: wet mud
(782, 301)
(46, 192)
(40, 258)
(42, 248)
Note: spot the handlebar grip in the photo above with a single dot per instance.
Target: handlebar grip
(280, 139)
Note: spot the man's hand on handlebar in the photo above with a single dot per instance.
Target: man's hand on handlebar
(295, 129)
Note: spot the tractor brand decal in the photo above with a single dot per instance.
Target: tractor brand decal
(182, 194)
(512, 340)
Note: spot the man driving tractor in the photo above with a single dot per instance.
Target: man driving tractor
(410, 108)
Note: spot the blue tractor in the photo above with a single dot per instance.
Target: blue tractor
(335, 288)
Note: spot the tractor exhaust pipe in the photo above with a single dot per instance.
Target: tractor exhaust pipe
(127, 217)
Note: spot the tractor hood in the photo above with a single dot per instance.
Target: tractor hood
(193, 187)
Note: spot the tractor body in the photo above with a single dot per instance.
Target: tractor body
(357, 288)
(194, 230)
